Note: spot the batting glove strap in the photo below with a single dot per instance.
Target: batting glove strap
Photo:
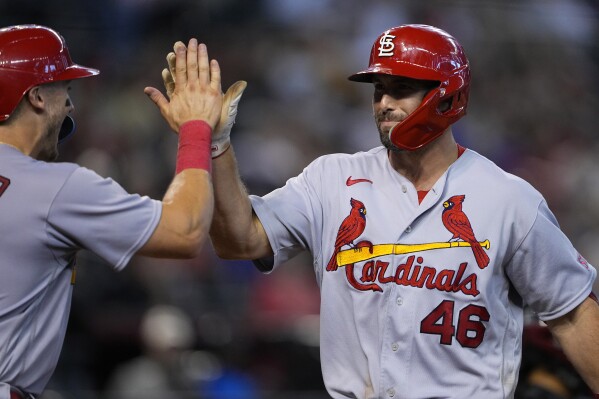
(220, 146)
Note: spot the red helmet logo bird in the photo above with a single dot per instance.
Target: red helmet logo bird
(456, 221)
(351, 228)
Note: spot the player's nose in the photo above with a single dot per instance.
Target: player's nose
(389, 106)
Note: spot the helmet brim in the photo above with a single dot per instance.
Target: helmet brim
(365, 76)
(404, 69)
(76, 71)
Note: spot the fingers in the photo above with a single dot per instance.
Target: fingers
(168, 75)
(170, 59)
(234, 92)
(169, 83)
(230, 102)
(192, 61)
(229, 109)
(215, 75)
(163, 105)
(157, 97)
(203, 64)
(193, 86)
(180, 63)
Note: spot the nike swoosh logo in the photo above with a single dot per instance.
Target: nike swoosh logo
(351, 182)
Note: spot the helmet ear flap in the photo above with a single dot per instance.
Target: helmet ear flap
(436, 113)
(421, 126)
(451, 106)
(456, 89)
(446, 105)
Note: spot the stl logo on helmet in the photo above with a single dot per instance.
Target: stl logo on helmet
(386, 45)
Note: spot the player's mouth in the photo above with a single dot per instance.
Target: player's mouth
(386, 126)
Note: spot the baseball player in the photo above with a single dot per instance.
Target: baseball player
(51, 210)
(425, 252)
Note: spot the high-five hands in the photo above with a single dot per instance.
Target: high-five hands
(222, 132)
(195, 93)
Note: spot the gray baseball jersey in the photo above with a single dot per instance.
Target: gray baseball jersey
(49, 211)
(423, 300)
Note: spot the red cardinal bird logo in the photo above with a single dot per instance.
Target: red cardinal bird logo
(456, 221)
(351, 228)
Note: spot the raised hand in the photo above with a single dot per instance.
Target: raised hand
(195, 91)
(222, 131)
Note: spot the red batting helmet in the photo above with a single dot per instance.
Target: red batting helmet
(31, 55)
(425, 53)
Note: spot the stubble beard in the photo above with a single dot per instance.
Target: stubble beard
(384, 136)
(386, 141)
(49, 151)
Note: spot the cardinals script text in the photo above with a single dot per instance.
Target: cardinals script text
(413, 274)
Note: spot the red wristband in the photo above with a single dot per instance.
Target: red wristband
(194, 146)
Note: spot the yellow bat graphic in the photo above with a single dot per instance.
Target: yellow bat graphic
(349, 256)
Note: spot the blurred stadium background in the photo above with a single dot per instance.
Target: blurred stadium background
(219, 329)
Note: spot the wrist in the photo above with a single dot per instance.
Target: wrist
(194, 146)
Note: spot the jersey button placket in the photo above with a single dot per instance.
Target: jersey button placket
(391, 392)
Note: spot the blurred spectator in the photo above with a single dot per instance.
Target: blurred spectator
(161, 372)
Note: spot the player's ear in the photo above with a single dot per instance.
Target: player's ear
(36, 98)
